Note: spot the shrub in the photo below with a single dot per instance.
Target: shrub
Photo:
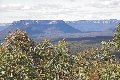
(23, 59)
(16, 63)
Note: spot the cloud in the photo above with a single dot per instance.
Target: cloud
(60, 9)
(106, 4)
(10, 7)
(72, 0)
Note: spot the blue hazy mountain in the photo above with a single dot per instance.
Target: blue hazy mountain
(59, 28)
(94, 25)
(4, 26)
(38, 28)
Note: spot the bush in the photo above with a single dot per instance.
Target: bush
(16, 63)
(23, 59)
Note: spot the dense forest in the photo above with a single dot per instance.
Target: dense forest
(23, 59)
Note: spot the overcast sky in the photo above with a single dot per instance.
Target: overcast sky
(12, 10)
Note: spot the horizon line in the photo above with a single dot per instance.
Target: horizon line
(57, 19)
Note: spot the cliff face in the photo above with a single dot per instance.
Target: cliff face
(94, 25)
(41, 27)
(62, 29)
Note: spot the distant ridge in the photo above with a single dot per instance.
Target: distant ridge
(38, 28)
(94, 25)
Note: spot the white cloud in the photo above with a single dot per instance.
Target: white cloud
(26, 8)
(59, 9)
(10, 7)
(106, 4)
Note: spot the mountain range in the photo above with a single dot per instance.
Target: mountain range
(61, 29)
(94, 25)
(39, 28)
(4, 26)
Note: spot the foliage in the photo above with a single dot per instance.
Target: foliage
(52, 61)
(23, 59)
(116, 37)
(16, 63)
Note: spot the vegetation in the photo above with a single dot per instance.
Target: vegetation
(23, 59)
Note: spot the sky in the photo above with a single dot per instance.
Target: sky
(68, 10)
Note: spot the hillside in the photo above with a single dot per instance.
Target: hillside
(94, 25)
(41, 28)
(54, 29)
(4, 26)
(22, 58)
